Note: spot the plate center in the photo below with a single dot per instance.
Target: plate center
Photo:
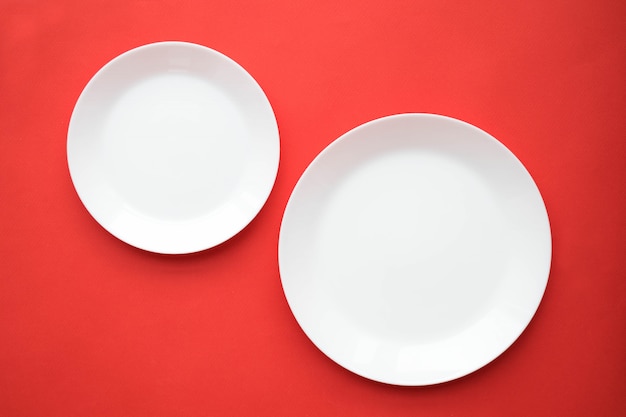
(174, 146)
(410, 246)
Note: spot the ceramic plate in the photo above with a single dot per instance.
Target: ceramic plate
(414, 249)
(173, 147)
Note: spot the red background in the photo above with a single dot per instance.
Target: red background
(90, 326)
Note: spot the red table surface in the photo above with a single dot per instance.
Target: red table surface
(90, 326)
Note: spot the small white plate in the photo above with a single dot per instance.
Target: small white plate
(173, 147)
(414, 249)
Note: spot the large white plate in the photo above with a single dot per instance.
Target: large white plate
(173, 147)
(414, 249)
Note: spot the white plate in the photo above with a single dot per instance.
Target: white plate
(414, 249)
(173, 147)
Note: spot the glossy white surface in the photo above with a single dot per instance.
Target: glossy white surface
(414, 249)
(173, 147)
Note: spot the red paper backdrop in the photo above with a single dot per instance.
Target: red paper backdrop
(90, 326)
